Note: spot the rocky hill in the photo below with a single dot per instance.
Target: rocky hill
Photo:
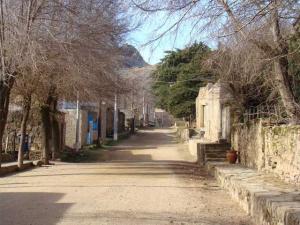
(131, 58)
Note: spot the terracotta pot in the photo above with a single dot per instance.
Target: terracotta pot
(231, 156)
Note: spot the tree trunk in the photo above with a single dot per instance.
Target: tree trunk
(46, 133)
(25, 116)
(47, 111)
(281, 66)
(55, 143)
(284, 87)
(4, 103)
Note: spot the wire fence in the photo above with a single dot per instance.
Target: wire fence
(273, 113)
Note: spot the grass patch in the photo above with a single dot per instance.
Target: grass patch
(84, 156)
(110, 142)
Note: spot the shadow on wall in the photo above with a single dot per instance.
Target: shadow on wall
(21, 208)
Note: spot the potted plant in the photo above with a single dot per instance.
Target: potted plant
(231, 156)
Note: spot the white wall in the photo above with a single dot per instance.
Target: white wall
(213, 97)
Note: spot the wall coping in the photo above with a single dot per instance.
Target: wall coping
(8, 168)
(267, 199)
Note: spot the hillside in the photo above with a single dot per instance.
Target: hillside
(131, 58)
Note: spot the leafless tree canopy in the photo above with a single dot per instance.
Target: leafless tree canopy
(53, 48)
(254, 35)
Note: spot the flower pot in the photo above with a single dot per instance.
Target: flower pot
(231, 156)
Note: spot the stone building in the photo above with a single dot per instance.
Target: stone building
(96, 123)
(88, 125)
(213, 112)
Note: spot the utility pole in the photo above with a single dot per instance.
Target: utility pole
(116, 119)
(144, 113)
(77, 123)
(147, 114)
(103, 120)
(154, 118)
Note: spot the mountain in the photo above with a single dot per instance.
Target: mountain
(131, 58)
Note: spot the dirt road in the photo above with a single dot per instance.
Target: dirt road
(146, 181)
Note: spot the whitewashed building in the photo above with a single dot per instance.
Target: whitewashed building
(213, 112)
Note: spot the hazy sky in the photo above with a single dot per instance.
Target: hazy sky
(154, 52)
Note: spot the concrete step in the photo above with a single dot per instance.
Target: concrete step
(267, 199)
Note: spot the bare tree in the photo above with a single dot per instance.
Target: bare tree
(267, 25)
(71, 45)
(84, 61)
(17, 37)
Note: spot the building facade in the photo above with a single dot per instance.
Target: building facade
(213, 117)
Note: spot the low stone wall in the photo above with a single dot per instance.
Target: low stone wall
(273, 149)
(183, 134)
(11, 135)
(268, 200)
(282, 152)
(4, 170)
(11, 139)
(193, 146)
(247, 139)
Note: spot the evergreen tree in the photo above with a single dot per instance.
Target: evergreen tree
(178, 78)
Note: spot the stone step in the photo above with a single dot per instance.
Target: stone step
(216, 150)
(212, 159)
(215, 154)
(221, 147)
(218, 145)
(263, 196)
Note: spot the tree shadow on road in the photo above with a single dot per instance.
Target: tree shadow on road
(24, 208)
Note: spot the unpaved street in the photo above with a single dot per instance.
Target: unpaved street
(148, 180)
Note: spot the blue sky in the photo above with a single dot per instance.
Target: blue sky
(152, 53)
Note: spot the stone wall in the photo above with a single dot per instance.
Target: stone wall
(11, 137)
(273, 149)
(83, 127)
(70, 119)
(248, 140)
(183, 134)
(282, 151)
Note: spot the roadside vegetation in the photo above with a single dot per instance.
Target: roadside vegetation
(86, 155)
(178, 78)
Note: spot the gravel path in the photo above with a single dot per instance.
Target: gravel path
(149, 179)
